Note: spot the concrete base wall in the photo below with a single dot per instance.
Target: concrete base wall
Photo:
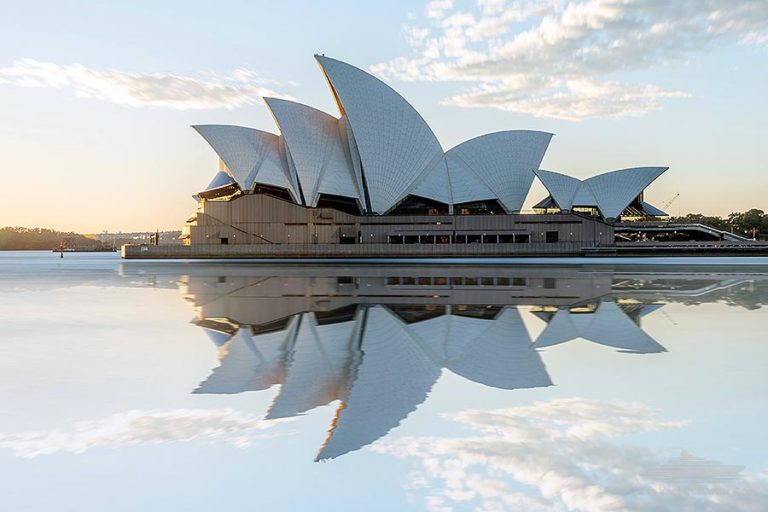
(353, 251)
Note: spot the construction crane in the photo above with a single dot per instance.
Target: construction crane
(667, 204)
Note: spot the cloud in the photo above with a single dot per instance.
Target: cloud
(560, 455)
(573, 100)
(141, 427)
(563, 59)
(236, 89)
(436, 8)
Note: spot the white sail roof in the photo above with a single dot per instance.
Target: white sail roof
(395, 143)
(250, 156)
(220, 179)
(615, 190)
(561, 187)
(504, 162)
(316, 148)
(466, 186)
(381, 150)
(610, 192)
(434, 184)
(353, 153)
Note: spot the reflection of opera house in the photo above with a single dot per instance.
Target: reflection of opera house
(377, 341)
(376, 181)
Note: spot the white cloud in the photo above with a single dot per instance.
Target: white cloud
(436, 8)
(238, 88)
(560, 455)
(141, 427)
(574, 99)
(559, 58)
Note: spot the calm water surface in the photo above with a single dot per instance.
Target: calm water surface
(140, 386)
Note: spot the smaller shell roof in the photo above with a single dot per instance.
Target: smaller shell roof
(610, 192)
(251, 156)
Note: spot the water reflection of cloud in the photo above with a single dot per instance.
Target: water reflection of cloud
(559, 455)
(141, 427)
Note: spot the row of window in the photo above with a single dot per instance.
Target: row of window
(457, 281)
(516, 238)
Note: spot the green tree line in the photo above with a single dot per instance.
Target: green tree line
(22, 239)
(752, 223)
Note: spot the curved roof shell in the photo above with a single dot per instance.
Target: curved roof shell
(503, 161)
(434, 184)
(220, 179)
(395, 143)
(610, 192)
(381, 150)
(614, 190)
(251, 156)
(317, 151)
(561, 187)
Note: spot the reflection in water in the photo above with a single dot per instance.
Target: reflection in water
(608, 323)
(378, 361)
(637, 379)
(141, 427)
(565, 450)
(377, 340)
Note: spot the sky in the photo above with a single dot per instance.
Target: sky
(96, 98)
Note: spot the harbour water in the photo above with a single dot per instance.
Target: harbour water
(197, 386)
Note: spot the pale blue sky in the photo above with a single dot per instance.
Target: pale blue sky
(651, 83)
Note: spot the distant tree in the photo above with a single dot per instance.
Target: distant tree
(23, 239)
(752, 223)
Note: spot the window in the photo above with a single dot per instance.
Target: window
(457, 281)
(444, 239)
(490, 239)
(552, 237)
(461, 239)
(506, 239)
(486, 281)
(409, 280)
(502, 281)
(411, 239)
(393, 281)
(396, 239)
(428, 239)
(224, 240)
(470, 281)
(441, 281)
(524, 238)
(519, 281)
(425, 281)
(549, 283)
(344, 280)
(474, 239)
(346, 239)
(487, 207)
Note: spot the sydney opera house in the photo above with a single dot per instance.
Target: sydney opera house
(376, 181)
